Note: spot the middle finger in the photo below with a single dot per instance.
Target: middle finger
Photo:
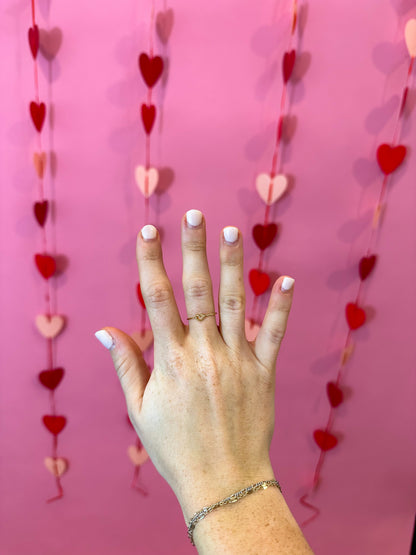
(196, 279)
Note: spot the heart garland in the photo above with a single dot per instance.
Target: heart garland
(389, 158)
(49, 325)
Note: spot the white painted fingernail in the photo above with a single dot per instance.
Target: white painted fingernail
(230, 234)
(149, 232)
(104, 338)
(287, 283)
(194, 218)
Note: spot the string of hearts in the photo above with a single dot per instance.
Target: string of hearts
(271, 188)
(147, 178)
(389, 158)
(49, 325)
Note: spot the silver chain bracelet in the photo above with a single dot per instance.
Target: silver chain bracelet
(231, 499)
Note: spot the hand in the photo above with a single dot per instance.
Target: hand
(205, 414)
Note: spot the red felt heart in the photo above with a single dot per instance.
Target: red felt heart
(38, 112)
(264, 234)
(259, 281)
(51, 378)
(389, 158)
(366, 265)
(148, 117)
(335, 394)
(139, 294)
(55, 424)
(288, 64)
(41, 211)
(46, 265)
(325, 440)
(151, 68)
(33, 35)
(355, 316)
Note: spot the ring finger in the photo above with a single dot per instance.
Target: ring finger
(196, 279)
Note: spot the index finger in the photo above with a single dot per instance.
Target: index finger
(156, 288)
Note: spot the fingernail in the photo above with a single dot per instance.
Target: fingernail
(230, 234)
(194, 218)
(287, 283)
(104, 338)
(149, 232)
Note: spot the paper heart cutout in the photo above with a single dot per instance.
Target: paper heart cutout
(355, 316)
(37, 113)
(251, 329)
(335, 394)
(148, 117)
(49, 326)
(46, 265)
(146, 180)
(410, 37)
(270, 189)
(325, 440)
(41, 211)
(259, 281)
(55, 424)
(366, 266)
(140, 296)
(50, 42)
(136, 455)
(151, 68)
(389, 158)
(263, 235)
(164, 24)
(39, 161)
(56, 466)
(33, 35)
(51, 378)
(143, 340)
(288, 64)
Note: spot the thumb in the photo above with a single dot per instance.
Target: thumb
(129, 363)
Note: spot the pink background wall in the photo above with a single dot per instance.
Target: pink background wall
(215, 131)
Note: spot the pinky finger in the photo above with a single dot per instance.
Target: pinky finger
(272, 331)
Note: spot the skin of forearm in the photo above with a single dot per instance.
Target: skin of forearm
(260, 523)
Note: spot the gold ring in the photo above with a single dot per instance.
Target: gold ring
(201, 316)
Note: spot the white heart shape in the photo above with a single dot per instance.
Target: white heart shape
(51, 326)
(146, 180)
(137, 456)
(251, 330)
(143, 340)
(410, 37)
(270, 189)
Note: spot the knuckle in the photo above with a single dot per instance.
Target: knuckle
(197, 287)
(233, 302)
(157, 294)
(195, 245)
(150, 255)
(276, 335)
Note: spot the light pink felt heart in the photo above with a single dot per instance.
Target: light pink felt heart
(251, 330)
(56, 466)
(50, 326)
(143, 340)
(270, 189)
(137, 456)
(146, 180)
(410, 37)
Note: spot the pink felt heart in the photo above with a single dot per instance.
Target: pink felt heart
(57, 466)
(251, 330)
(50, 42)
(146, 180)
(143, 340)
(410, 37)
(164, 24)
(50, 326)
(39, 161)
(136, 455)
(270, 189)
